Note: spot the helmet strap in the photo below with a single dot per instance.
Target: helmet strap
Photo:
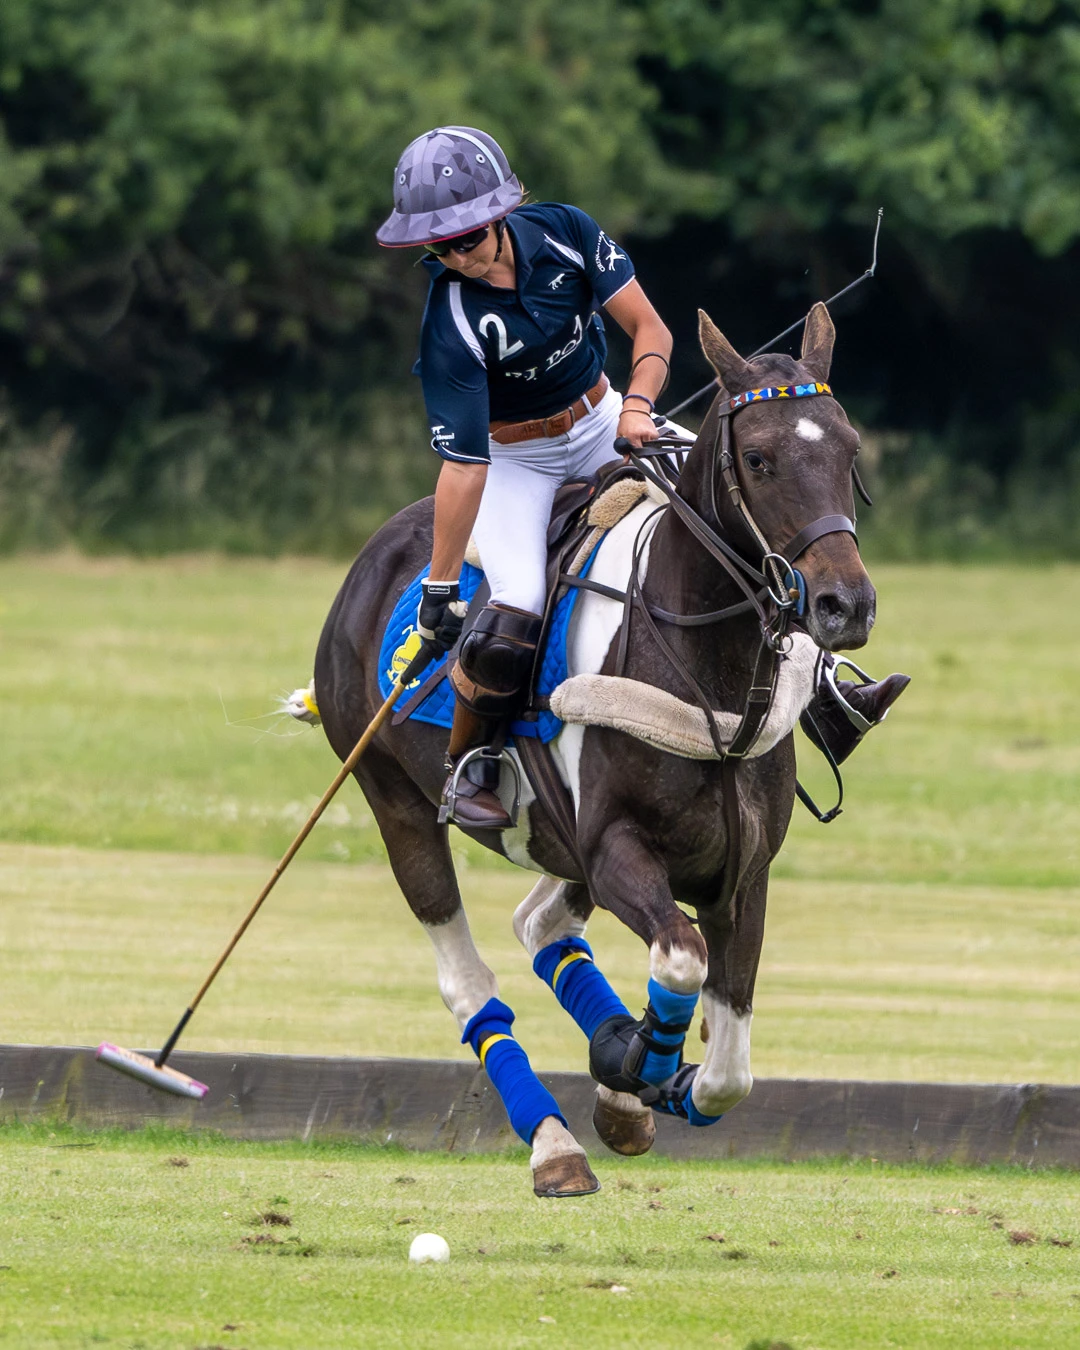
(500, 230)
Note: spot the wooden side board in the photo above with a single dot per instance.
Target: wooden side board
(450, 1106)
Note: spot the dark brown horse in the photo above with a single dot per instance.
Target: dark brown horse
(652, 830)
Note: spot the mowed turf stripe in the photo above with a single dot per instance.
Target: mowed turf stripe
(884, 981)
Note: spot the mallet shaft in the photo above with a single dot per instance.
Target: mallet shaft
(411, 671)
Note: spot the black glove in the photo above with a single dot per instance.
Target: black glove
(441, 614)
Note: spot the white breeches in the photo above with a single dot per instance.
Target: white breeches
(512, 523)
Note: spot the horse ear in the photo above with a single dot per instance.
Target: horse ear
(734, 372)
(817, 344)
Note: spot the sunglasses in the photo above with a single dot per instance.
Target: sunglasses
(464, 243)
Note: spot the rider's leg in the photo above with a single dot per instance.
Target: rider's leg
(843, 711)
(492, 668)
(511, 537)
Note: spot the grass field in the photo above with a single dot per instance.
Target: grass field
(933, 932)
(166, 1241)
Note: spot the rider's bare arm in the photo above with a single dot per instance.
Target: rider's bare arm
(633, 312)
(457, 500)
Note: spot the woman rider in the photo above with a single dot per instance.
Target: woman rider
(512, 353)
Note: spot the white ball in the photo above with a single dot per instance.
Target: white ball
(428, 1247)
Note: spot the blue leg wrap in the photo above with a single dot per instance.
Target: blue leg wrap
(674, 1011)
(526, 1099)
(567, 967)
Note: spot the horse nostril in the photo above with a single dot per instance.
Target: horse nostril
(830, 607)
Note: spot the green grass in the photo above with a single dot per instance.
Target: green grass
(126, 681)
(149, 1241)
(857, 981)
(930, 933)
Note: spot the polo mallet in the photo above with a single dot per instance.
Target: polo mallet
(155, 1071)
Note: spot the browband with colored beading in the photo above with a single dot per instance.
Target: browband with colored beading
(778, 391)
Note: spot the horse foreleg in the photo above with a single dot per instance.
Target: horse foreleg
(419, 854)
(724, 1077)
(629, 1055)
(550, 925)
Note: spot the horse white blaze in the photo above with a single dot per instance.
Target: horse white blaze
(724, 1077)
(465, 983)
(808, 429)
(543, 918)
(678, 969)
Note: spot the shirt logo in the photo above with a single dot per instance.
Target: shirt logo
(441, 439)
(607, 254)
(556, 282)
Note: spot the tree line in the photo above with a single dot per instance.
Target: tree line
(200, 343)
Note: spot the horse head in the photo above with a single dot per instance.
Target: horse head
(793, 459)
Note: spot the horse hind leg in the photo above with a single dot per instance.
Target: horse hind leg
(550, 924)
(420, 857)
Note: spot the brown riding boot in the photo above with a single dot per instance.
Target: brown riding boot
(842, 712)
(476, 804)
(492, 668)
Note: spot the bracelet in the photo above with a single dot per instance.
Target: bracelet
(638, 412)
(660, 357)
(644, 398)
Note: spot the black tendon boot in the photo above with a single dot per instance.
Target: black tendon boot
(493, 667)
(843, 711)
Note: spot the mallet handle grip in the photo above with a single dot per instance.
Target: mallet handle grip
(419, 662)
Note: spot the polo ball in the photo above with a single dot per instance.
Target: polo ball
(428, 1247)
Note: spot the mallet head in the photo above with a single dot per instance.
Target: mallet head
(146, 1071)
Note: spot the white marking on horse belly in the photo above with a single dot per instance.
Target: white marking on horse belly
(808, 430)
(724, 1078)
(595, 622)
(515, 842)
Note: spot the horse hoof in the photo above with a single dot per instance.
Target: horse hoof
(623, 1123)
(564, 1177)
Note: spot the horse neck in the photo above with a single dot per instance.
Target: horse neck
(685, 579)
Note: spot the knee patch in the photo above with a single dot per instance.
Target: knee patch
(496, 655)
(526, 1099)
(567, 967)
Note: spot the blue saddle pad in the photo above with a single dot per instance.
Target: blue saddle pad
(401, 642)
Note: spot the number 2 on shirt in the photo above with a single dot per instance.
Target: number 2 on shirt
(493, 321)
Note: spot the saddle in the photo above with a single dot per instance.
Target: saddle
(582, 512)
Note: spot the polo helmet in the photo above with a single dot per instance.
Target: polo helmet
(448, 182)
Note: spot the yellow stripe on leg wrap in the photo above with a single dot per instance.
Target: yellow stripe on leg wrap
(573, 956)
(488, 1042)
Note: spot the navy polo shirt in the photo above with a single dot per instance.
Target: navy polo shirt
(492, 354)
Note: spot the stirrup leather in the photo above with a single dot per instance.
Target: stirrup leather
(485, 752)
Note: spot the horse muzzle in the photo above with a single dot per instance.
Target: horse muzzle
(840, 612)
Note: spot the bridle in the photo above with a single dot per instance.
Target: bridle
(772, 589)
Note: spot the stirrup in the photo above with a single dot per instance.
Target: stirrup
(828, 679)
(449, 802)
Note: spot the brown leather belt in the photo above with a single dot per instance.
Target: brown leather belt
(509, 433)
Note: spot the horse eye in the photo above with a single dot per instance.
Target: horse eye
(755, 463)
